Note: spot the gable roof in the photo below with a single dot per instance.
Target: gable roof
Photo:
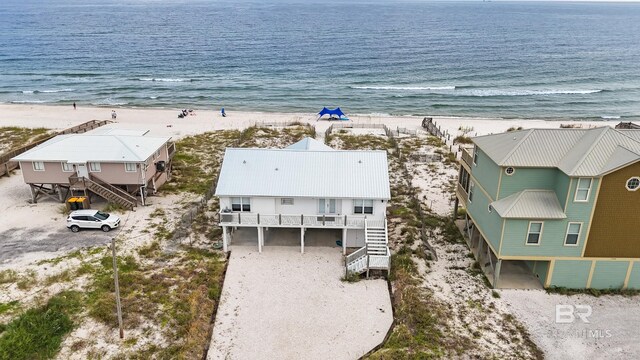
(530, 204)
(304, 173)
(309, 144)
(576, 152)
(79, 148)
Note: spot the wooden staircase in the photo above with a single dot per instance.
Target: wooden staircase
(105, 191)
(374, 255)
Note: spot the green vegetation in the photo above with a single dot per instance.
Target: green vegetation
(350, 277)
(514, 128)
(38, 333)
(462, 140)
(6, 307)
(13, 136)
(593, 292)
(114, 208)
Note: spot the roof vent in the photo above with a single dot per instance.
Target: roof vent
(276, 169)
(244, 161)
(359, 161)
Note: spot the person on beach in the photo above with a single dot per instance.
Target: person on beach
(113, 114)
(74, 105)
(224, 114)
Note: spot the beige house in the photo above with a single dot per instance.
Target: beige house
(113, 163)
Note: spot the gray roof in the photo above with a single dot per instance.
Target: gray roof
(304, 173)
(79, 148)
(309, 144)
(576, 152)
(530, 204)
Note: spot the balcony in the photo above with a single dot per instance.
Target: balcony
(462, 194)
(467, 156)
(310, 221)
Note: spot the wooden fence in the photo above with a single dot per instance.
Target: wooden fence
(6, 165)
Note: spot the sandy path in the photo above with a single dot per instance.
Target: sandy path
(285, 305)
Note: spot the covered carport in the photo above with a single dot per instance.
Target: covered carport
(282, 236)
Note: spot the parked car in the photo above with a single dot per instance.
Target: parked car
(92, 219)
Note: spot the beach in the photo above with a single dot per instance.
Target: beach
(166, 121)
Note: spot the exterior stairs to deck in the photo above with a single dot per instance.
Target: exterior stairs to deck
(106, 191)
(375, 255)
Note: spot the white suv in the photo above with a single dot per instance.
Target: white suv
(92, 219)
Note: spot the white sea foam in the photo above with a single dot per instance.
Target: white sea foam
(411, 88)
(46, 91)
(523, 92)
(27, 91)
(165, 79)
(29, 102)
(610, 117)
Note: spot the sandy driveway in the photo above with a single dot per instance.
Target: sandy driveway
(285, 305)
(612, 332)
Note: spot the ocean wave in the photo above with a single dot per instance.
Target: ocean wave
(610, 117)
(165, 79)
(30, 101)
(523, 92)
(46, 91)
(109, 102)
(411, 88)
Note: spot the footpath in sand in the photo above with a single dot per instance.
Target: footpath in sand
(294, 306)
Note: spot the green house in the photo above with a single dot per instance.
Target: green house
(554, 207)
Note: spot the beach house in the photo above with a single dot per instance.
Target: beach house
(115, 164)
(554, 207)
(324, 197)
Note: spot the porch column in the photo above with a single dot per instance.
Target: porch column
(344, 241)
(225, 246)
(480, 242)
(496, 274)
(302, 240)
(260, 234)
(455, 209)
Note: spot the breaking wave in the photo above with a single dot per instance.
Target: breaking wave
(412, 88)
(524, 92)
(165, 79)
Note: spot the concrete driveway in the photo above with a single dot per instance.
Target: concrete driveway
(285, 305)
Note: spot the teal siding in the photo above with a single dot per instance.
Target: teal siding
(609, 274)
(634, 279)
(528, 178)
(572, 274)
(486, 174)
(562, 187)
(551, 242)
(541, 268)
(489, 223)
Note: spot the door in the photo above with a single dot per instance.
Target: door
(82, 170)
(326, 206)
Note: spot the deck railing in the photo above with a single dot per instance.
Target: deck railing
(467, 156)
(308, 220)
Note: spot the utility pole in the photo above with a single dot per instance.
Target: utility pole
(115, 277)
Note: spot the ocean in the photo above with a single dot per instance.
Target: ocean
(483, 59)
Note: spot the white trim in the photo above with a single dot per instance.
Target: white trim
(575, 194)
(506, 170)
(90, 166)
(33, 164)
(472, 186)
(626, 185)
(526, 239)
(62, 164)
(567, 233)
(135, 167)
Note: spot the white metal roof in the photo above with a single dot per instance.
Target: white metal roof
(530, 204)
(79, 148)
(304, 173)
(577, 152)
(113, 129)
(309, 144)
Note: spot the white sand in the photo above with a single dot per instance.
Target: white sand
(158, 120)
(285, 305)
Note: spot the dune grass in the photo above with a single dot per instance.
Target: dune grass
(13, 136)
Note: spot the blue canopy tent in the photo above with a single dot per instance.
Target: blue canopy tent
(331, 113)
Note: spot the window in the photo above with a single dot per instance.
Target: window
(509, 171)
(535, 233)
(286, 201)
(66, 167)
(362, 206)
(583, 189)
(633, 184)
(471, 187)
(240, 204)
(130, 167)
(38, 166)
(94, 166)
(475, 156)
(573, 234)
(326, 206)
